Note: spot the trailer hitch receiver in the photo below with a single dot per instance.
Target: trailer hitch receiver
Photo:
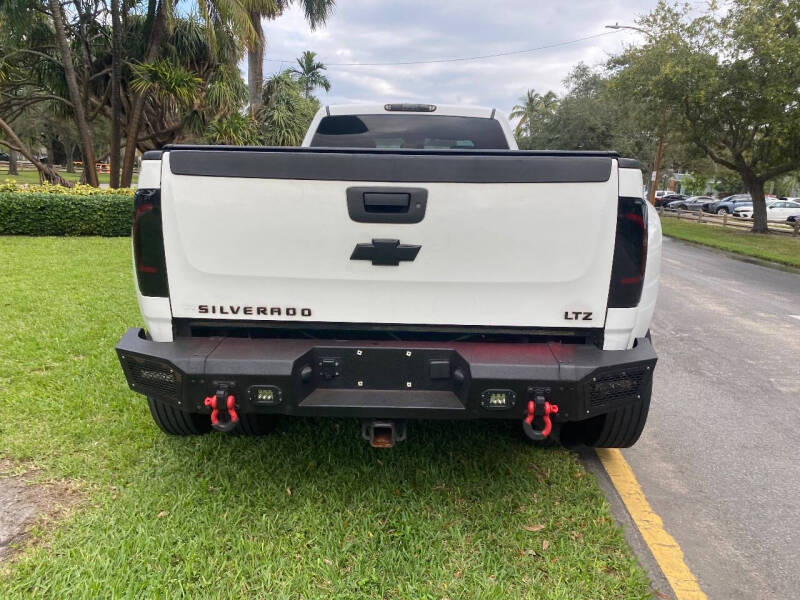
(223, 410)
(539, 407)
(383, 434)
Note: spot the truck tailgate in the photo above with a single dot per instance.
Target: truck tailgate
(507, 239)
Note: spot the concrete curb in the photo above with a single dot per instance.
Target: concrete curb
(658, 582)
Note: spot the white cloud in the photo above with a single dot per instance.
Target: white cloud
(370, 31)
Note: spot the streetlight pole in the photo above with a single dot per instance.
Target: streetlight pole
(634, 28)
(657, 166)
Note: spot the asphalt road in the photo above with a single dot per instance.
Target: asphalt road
(719, 459)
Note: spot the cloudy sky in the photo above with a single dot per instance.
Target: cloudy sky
(379, 31)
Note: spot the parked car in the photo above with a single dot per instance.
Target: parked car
(727, 205)
(664, 200)
(660, 194)
(779, 210)
(793, 219)
(4, 157)
(690, 203)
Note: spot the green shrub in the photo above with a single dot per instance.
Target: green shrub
(79, 189)
(42, 213)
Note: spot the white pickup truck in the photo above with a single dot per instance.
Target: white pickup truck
(408, 262)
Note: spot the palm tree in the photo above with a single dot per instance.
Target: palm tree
(524, 111)
(533, 111)
(116, 95)
(309, 73)
(78, 108)
(316, 13)
(194, 82)
(160, 15)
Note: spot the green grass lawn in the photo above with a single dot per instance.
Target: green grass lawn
(782, 249)
(32, 177)
(309, 512)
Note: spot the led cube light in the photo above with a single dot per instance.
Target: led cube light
(498, 399)
(265, 395)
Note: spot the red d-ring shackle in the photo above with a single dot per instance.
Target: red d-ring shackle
(527, 423)
(230, 408)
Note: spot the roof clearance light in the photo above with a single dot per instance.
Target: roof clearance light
(410, 107)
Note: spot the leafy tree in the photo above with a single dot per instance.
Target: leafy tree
(188, 79)
(286, 112)
(788, 185)
(309, 73)
(728, 84)
(235, 129)
(226, 24)
(37, 68)
(590, 116)
(17, 96)
(727, 183)
(193, 81)
(694, 183)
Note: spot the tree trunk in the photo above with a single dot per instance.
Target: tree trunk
(84, 132)
(12, 162)
(656, 169)
(135, 117)
(51, 151)
(755, 186)
(69, 148)
(116, 103)
(255, 64)
(46, 172)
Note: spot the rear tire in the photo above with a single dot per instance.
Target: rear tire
(174, 421)
(621, 428)
(255, 424)
(722, 211)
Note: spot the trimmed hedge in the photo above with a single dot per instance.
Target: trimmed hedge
(38, 213)
(79, 189)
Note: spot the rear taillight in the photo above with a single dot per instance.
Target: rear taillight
(148, 244)
(630, 254)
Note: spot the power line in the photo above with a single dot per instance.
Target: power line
(460, 59)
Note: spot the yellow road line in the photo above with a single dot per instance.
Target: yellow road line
(665, 549)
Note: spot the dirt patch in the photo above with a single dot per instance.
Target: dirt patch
(27, 502)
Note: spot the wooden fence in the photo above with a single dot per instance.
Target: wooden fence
(726, 220)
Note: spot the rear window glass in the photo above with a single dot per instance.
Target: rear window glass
(409, 131)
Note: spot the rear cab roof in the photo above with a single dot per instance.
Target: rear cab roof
(447, 110)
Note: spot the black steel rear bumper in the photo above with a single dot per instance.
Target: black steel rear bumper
(389, 380)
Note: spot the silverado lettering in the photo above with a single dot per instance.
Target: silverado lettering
(230, 309)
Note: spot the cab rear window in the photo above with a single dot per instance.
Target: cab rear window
(418, 131)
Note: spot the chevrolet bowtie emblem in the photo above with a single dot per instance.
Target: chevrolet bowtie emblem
(385, 252)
